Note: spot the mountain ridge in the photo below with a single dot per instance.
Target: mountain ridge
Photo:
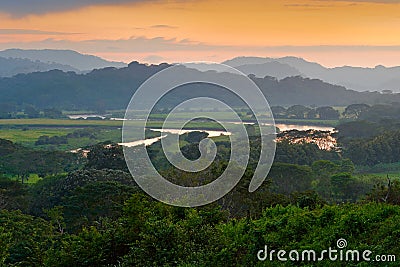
(112, 88)
(13, 66)
(378, 78)
(82, 62)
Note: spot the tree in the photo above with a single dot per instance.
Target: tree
(81, 190)
(324, 168)
(13, 194)
(346, 165)
(354, 111)
(312, 114)
(341, 186)
(106, 156)
(54, 140)
(301, 153)
(55, 215)
(6, 109)
(322, 171)
(251, 130)
(384, 148)
(327, 113)
(288, 178)
(297, 111)
(357, 129)
(389, 193)
(53, 113)
(20, 161)
(24, 239)
(278, 111)
(194, 137)
(31, 112)
(378, 112)
(89, 203)
(7, 147)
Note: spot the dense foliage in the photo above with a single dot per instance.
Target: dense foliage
(90, 212)
(148, 233)
(20, 161)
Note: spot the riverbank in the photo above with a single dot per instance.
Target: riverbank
(316, 122)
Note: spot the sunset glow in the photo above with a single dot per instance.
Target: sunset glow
(365, 33)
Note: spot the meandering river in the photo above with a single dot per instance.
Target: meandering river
(211, 133)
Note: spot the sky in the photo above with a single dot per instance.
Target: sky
(331, 32)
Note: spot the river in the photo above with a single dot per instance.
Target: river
(211, 133)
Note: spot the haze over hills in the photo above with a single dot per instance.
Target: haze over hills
(357, 78)
(44, 82)
(13, 66)
(16, 61)
(71, 58)
(273, 69)
(112, 88)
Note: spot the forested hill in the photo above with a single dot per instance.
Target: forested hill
(73, 59)
(13, 66)
(111, 88)
(305, 91)
(360, 79)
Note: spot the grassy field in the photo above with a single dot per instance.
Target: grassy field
(59, 123)
(113, 135)
(27, 131)
(30, 135)
(65, 123)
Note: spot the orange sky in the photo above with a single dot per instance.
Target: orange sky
(333, 33)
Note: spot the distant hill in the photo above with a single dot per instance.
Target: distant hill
(13, 66)
(273, 68)
(112, 88)
(361, 79)
(64, 57)
(109, 88)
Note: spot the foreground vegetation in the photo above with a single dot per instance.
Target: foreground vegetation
(148, 233)
(95, 215)
(73, 209)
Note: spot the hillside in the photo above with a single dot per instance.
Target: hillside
(111, 88)
(65, 57)
(13, 66)
(378, 78)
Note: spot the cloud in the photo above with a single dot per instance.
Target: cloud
(26, 7)
(172, 50)
(32, 32)
(333, 48)
(154, 46)
(317, 4)
(143, 44)
(136, 44)
(163, 26)
(365, 1)
(307, 7)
